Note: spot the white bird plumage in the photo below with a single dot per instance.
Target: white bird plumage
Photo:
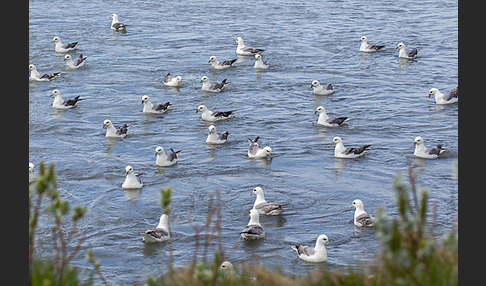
(35, 75)
(59, 47)
(243, 50)
(209, 115)
(254, 150)
(164, 159)
(253, 230)
(220, 65)
(115, 23)
(160, 233)
(259, 63)
(321, 89)
(424, 152)
(212, 86)
(351, 152)
(325, 120)
(132, 180)
(361, 217)
(149, 107)
(216, 138)
(74, 63)
(112, 131)
(448, 98)
(175, 81)
(367, 48)
(61, 103)
(318, 253)
(405, 54)
(262, 206)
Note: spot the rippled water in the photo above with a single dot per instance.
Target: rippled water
(386, 99)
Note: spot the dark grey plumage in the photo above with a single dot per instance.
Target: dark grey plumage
(364, 219)
(72, 101)
(50, 76)
(172, 154)
(161, 106)
(435, 150)
(157, 233)
(303, 249)
(253, 148)
(253, 229)
(223, 113)
(357, 150)
(218, 85)
(224, 135)
(453, 93)
(122, 130)
(119, 26)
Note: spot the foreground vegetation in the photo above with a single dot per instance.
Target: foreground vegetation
(410, 252)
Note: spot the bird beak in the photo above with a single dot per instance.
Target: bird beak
(197, 110)
(271, 156)
(329, 243)
(396, 48)
(315, 112)
(430, 94)
(332, 142)
(104, 125)
(52, 42)
(209, 61)
(414, 143)
(350, 206)
(155, 155)
(311, 86)
(251, 193)
(51, 94)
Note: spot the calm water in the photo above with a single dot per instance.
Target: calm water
(386, 99)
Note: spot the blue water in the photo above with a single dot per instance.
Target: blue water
(385, 98)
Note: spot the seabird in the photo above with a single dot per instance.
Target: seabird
(215, 137)
(132, 180)
(367, 48)
(317, 253)
(427, 153)
(254, 229)
(116, 25)
(361, 218)
(243, 50)
(262, 206)
(326, 120)
(112, 131)
(440, 98)
(403, 53)
(212, 86)
(160, 233)
(175, 81)
(60, 103)
(31, 173)
(35, 75)
(158, 108)
(320, 89)
(254, 151)
(76, 63)
(219, 65)
(209, 115)
(342, 152)
(165, 159)
(259, 63)
(63, 48)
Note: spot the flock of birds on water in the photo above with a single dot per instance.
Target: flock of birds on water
(253, 230)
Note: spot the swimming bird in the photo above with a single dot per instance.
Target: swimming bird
(116, 25)
(318, 253)
(321, 90)
(160, 233)
(342, 152)
(427, 153)
(165, 159)
(219, 65)
(403, 53)
(262, 206)
(31, 173)
(215, 138)
(259, 63)
(60, 103)
(149, 107)
(112, 131)
(228, 269)
(254, 151)
(35, 75)
(243, 50)
(254, 229)
(209, 115)
(63, 48)
(326, 120)
(132, 180)
(212, 86)
(76, 63)
(440, 98)
(361, 217)
(367, 48)
(175, 81)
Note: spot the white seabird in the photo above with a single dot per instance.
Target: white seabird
(254, 151)
(60, 103)
(427, 153)
(216, 138)
(165, 159)
(209, 115)
(132, 180)
(116, 25)
(262, 206)
(325, 120)
(318, 253)
(361, 217)
(254, 229)
(320, 89)
(63, 48)
(160, 233)
(31, 173)
(175, 81)
(219, 65)
(212, 86)
(403, 53)
(76, 63)
(440, 98)
(243, 50)
(259, 63)
(149, 107)
(342, 152)
(35, 75)
(368, 48)
(112, 131)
